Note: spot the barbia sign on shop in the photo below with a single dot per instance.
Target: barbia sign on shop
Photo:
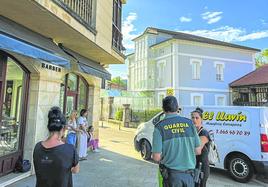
(51, 67)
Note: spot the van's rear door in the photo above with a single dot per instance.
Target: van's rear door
(263, 137)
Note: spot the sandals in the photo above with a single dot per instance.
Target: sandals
(82, 158)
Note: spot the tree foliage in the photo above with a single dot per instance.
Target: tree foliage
(262, 58)
(119, 81)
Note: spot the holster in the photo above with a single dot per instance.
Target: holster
(198, 174)
(164, 172)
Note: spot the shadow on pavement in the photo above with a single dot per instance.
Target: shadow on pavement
(109, 169)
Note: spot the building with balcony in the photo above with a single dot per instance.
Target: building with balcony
(197, 69)
(52, 53)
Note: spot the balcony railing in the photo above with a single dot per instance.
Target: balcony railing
(81, 10)
(240, 103)
(117, 39)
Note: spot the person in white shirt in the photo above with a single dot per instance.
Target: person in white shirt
(72, 129)
(83, 124)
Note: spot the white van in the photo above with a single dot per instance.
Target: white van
(240, 133)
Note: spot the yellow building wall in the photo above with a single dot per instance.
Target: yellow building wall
(104, 24)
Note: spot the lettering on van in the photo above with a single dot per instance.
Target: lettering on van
(223, 116)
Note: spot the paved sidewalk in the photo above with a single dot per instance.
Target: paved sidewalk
(108, 169)
(119, 165)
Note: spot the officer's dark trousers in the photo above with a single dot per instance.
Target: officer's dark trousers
(206, 171)
(178, 179)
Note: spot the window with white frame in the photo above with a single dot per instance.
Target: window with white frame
(219, 71)
(196, 99)
(220, 100)
(196, 68)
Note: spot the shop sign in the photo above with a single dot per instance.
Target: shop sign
(51, 67)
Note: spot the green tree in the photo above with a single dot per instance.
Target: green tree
(119, 81)
(261, 58)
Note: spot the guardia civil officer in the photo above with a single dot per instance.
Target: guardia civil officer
(175, 145)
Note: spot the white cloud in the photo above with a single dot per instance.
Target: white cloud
(254, 36)
(214, 20)
(127, 30)
(185, 19)
(229, 34)
(212, 17)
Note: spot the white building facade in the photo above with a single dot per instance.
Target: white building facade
(198, 69)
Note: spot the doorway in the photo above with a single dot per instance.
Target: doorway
(14, 81)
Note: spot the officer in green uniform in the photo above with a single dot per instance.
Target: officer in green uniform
(175, 145)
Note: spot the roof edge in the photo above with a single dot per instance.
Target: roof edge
(174, 33)
(230, 84)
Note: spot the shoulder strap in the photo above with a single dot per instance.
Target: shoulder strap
(199, 131)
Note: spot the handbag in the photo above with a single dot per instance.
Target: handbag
(22, 165)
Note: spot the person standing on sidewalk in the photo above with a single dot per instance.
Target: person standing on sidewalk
(205, 140)
(73, 130)
(55, 161)
(83, 125)
(175, 144)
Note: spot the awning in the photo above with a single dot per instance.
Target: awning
(18, 39)
(13, 45)
(89, 66)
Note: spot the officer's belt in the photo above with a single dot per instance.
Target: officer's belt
(189, 171)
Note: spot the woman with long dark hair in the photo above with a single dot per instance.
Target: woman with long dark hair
(204, 137)
(55, 161)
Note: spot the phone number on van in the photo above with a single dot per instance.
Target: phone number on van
(233, 132)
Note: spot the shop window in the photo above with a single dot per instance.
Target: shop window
(72, 82)
(73, 96)
(82, 95)
(12, 88)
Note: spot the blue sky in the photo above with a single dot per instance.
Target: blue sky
(237, 21)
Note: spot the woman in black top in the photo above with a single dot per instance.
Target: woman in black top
(55, 161)
(204, 137)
